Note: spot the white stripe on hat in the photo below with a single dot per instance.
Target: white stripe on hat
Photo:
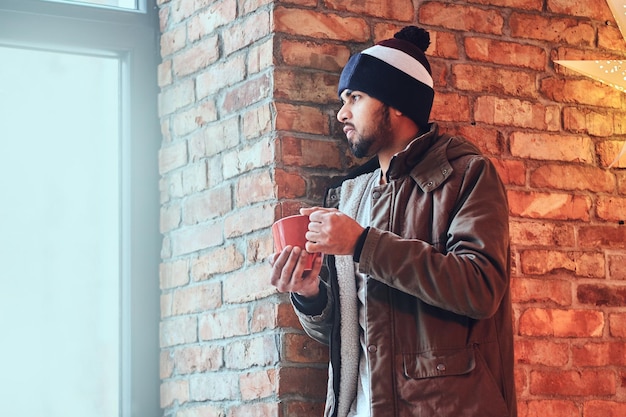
(403, 61)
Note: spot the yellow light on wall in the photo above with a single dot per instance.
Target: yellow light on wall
(610, 72)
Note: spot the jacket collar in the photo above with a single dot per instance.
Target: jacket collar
(424, 159)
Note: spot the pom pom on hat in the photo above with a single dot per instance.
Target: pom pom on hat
(396, 72)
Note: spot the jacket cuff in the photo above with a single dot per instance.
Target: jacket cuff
(359, 245)
(311, 306)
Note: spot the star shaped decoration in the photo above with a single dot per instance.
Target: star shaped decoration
(610, 72)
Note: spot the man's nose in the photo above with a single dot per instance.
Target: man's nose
(342, 114)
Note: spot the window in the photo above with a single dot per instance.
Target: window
(79, 307)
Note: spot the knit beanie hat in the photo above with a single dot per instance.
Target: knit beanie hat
(396, 72)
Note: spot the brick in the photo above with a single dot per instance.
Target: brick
(252, 352)
(259, 248)
(238, 161)
(254, 188)
(617, 325)
(264, 317)
(610, 37)
(249, 6)
(443, 44)
(459, 17)
(176, 97)
(488, 140)
(557, 206)
(599, 354)
(216, 261)
(174, 392)
(200, 410)
(309, 54)
(529, 290)
(304, 409)
(258, 409)
(178, 331)
(301, 152)
(196, 58)
(173, 274)
(257, 385)
(587, 121)
(552, 147)
(612, 209)
(496, 81)
(185, 122)
(181, 10)
(450, 107)
(197, 298)
(214, 139)
(505, 53)
(257, 121)
(608, 151)
(207, 20)
(260, 57)
(207, 205)
(539, 233)
(245, 32)
(552, 408)
(320, 26)
(223, 324)
(572, 177)
(561, 323)
(196, 238)
(214, 386)
(401, 10)
(551, 29)
(592, 9)
(305, 86)
(602, 236)
(542, 352)
(604, 408)
(164, 73)
(220, 76)
(541, 262)
(289, 184)
(601, 295)
(519, 113)
(245, 285)
(172, 157)
(617, 266)
(580, 91)
(193, 359)
(573, 383)
(302, 381)
(172, 41)
(304, 119)
(515, 4)
(166, 364)
(251, 91)
(300, 348)
(248, 220)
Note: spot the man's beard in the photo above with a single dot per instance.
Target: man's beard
(362, 146)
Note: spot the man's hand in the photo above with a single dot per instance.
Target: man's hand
(288, 274)
(331, 231)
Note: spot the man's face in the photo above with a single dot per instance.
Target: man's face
(366, 123)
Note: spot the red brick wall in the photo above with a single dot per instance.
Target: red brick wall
(247, 108)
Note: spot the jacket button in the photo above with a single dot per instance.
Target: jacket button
(376, 194)
(372, 349)
(441, 367)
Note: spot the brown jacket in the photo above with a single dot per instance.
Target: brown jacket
(438, 309)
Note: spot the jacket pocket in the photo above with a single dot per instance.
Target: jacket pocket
(433, 363)
(447, 383)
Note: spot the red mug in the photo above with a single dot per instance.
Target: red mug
(291, 231)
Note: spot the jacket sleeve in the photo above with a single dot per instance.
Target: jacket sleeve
(471, 276)
(315, 315)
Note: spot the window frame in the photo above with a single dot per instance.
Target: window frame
(132, 35)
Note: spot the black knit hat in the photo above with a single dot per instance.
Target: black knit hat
(396, 72)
